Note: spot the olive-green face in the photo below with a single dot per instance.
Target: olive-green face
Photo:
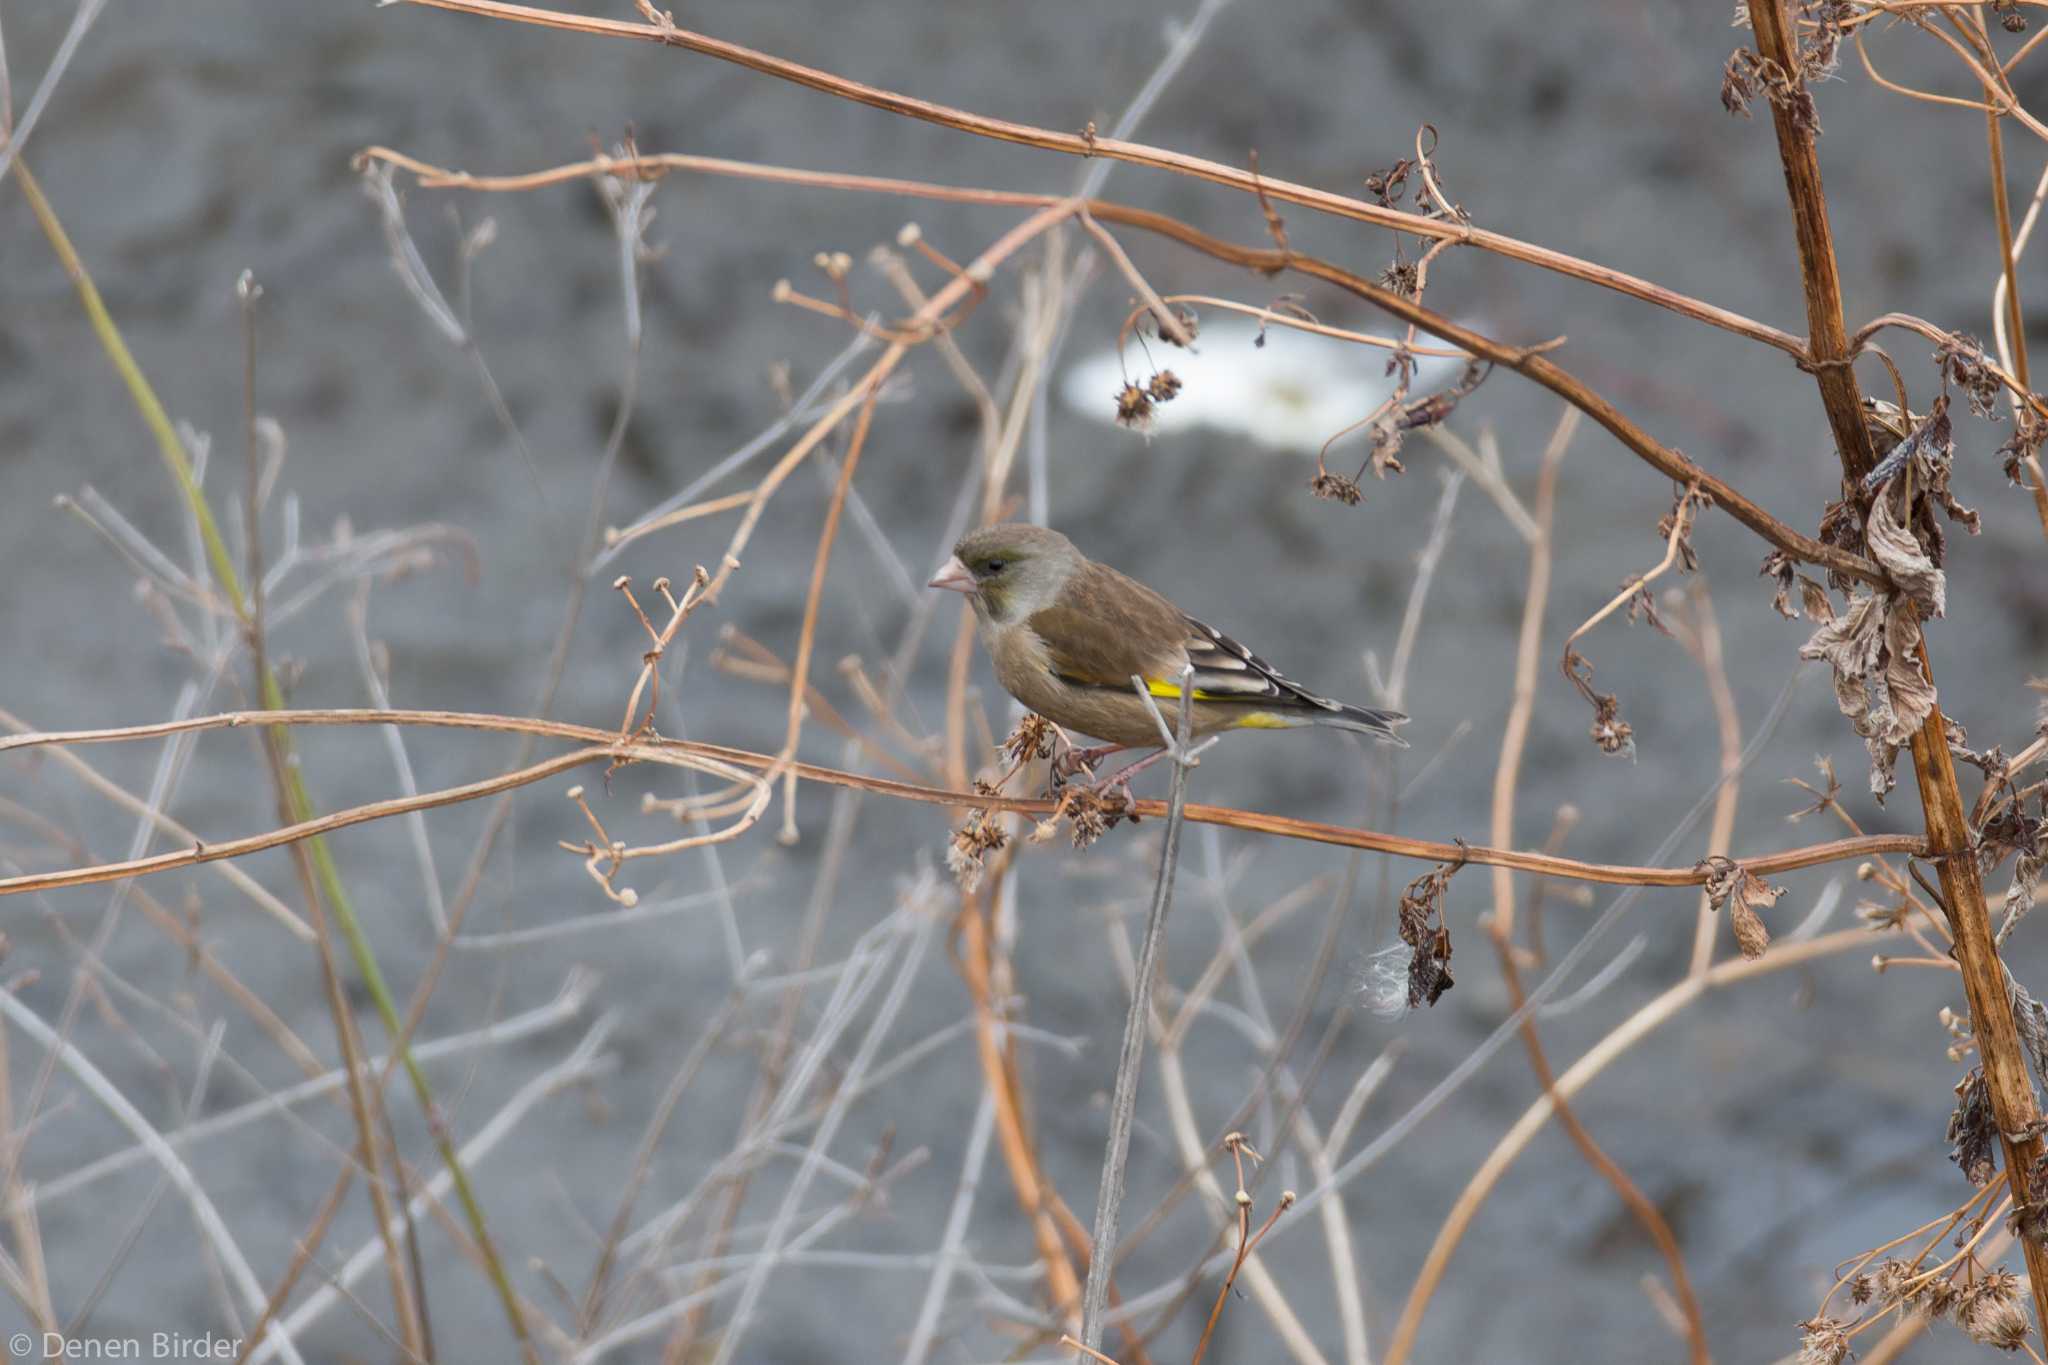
(991, 564)
(996, 570)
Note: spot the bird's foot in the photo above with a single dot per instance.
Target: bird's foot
(1072, 762)
(1114, 791)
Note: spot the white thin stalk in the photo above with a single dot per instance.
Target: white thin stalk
(211, 1225)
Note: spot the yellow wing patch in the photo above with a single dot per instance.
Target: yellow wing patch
(1172, 691)
(1264, 720)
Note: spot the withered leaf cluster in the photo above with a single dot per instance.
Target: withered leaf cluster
(1813, 598)
(2029, 433)
(2030, 1016)
(1686, 505)
(1819, 41)
(1961, 360)
(1732, 887)
(1873, 646)
(1424, 931)
(1419, 181)
(1972, 1130)
(2016, 829)
(1613, 734)
(1392, 426)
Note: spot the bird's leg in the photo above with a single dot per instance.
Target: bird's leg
(1120, 781)
(1075, 761)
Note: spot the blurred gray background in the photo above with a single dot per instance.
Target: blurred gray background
(1781, 1126)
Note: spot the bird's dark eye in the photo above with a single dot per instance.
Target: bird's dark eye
(994, 566)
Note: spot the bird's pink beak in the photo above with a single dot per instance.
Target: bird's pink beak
(954, 577)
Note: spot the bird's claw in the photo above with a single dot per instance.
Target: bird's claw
(1072, 762)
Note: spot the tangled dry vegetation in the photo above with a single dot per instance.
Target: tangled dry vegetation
(1868, 578)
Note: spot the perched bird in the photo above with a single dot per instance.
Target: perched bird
(1067, 635)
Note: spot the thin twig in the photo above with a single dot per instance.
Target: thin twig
(1124, 1101)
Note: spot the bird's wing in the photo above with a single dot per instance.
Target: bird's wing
(1106, 628)
(1226, 671)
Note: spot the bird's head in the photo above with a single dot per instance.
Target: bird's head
(1010, 571)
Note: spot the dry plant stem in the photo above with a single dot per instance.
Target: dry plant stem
(1703, 642)
(1500, 928)
(976, 961)
(1267, 317)
(222, 565)
(212, 1226)
(307, 1244)
(2009, 322)
(1528, 648)
(1630, 1032)
(1527, 361)
(1948, 834)
(2015, 321)
(800, 671)
(603, 745)
(1130, 1060)
(1681, 522)
(1941, 336)
(1996, 89)
(1609, 1170)
(408, 1297)
(1828, 351)
(128, 801)
(1134, 153)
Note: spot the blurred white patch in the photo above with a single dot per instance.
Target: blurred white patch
(1293, 393)
(1383, 985)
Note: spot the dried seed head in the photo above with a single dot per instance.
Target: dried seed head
(1133, 407)
(1401, 277)
(1823, 1341)
(1939, 1298)
(1033, 738)
(1994, 1322)
(1336, 488)
(1163, 387)
(980, 835)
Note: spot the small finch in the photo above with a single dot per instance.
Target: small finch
(1067, 635)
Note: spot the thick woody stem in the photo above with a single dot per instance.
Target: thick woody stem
(1948, 832)
(1828, 350)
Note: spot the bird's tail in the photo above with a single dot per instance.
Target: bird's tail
(1365, 721)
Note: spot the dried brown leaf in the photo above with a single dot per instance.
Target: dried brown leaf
(1423, 929)
(1742, 893)
(1972, 1131)
(1893, 546)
